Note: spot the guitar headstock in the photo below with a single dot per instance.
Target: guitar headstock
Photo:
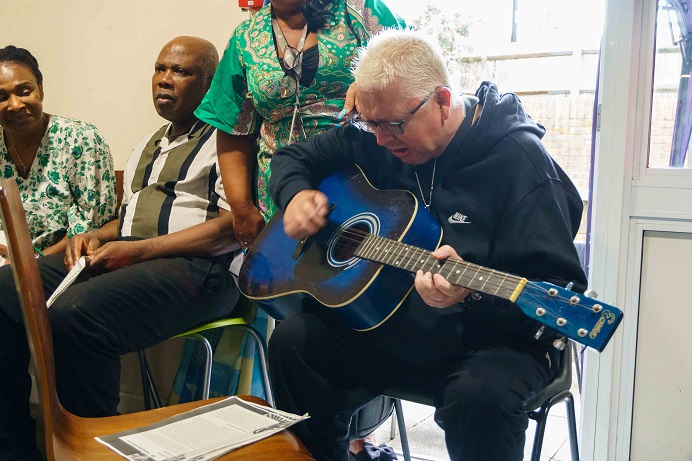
(585, 320)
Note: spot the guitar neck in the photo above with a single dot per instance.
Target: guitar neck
(457, 272)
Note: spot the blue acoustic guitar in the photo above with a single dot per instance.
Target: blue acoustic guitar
(335, 266)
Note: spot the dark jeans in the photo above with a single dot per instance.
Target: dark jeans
(330, 371)
(93, 323)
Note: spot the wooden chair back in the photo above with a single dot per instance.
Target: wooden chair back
(33, 301)
(69, 437)
(119, 178)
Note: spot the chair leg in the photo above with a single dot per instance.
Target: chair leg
(402, 429)
(149, 391)
(392, 428)
(145, 384)
(577, 363)
(206, 380)
(262, 351)
(540, 416)
(572, 426)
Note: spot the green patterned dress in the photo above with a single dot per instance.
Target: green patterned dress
(244, 96)
(71, 186)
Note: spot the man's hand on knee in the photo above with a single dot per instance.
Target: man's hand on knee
(114, 255)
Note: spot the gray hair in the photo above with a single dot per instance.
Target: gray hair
(401, 56)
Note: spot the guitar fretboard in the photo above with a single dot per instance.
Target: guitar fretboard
(457, 272)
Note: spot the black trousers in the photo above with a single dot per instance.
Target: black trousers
(93, 323)
(330, 371)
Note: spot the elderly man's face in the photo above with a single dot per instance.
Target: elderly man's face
(179, 83)
(421, 140)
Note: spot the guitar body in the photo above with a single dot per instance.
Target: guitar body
(363, 294)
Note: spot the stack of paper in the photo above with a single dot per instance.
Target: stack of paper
(202, 434)
(67, 281)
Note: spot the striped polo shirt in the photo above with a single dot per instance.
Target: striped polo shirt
(171, 185)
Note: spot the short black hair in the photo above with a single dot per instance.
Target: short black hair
(22, 57)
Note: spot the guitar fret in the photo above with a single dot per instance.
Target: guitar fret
(372, 246)
(410, 258)
(453, 269)
(462, 275)
(429, 265)
(422, 261)
(486, 279)
(415, 259)
(388, 250)
(473, 279)
(501, 284)
(427, 259)
(379, 249)
(439, 265)
(397, 257)
(364, 249)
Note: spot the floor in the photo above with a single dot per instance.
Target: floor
(426, 439)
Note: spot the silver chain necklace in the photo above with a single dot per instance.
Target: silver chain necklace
(432, 186)
(25, 168)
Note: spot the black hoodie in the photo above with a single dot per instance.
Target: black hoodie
(502, 201)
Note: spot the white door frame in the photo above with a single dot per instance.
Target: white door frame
(629, 199)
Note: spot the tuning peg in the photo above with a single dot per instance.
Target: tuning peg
(591, 294)
(540, 331)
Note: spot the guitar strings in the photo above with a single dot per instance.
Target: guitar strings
(352, 239)
(355, 237)
(490, 285)
(407, 257)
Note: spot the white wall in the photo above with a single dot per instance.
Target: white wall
(662, 407)
(97, 56)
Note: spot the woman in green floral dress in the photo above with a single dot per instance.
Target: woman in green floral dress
(293, 72)
(283, 78)
(63, 167)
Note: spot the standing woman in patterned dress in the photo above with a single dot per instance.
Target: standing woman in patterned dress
(283, 78)
(63, 167)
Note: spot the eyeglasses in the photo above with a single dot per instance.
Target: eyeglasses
(289, 87)
(393, 128)
(292, 64)
(293, 67)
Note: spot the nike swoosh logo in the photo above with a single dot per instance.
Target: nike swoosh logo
(456, 220)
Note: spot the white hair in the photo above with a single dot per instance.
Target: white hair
(401, 56)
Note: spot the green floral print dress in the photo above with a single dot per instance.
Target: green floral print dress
(245, 98)
(71, 186)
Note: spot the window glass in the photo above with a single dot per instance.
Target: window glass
(545, 51)
(669, 138)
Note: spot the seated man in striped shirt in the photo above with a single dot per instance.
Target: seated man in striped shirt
(159, 270)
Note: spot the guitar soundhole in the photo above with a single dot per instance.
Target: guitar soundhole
(348, 241)
(345, 240)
